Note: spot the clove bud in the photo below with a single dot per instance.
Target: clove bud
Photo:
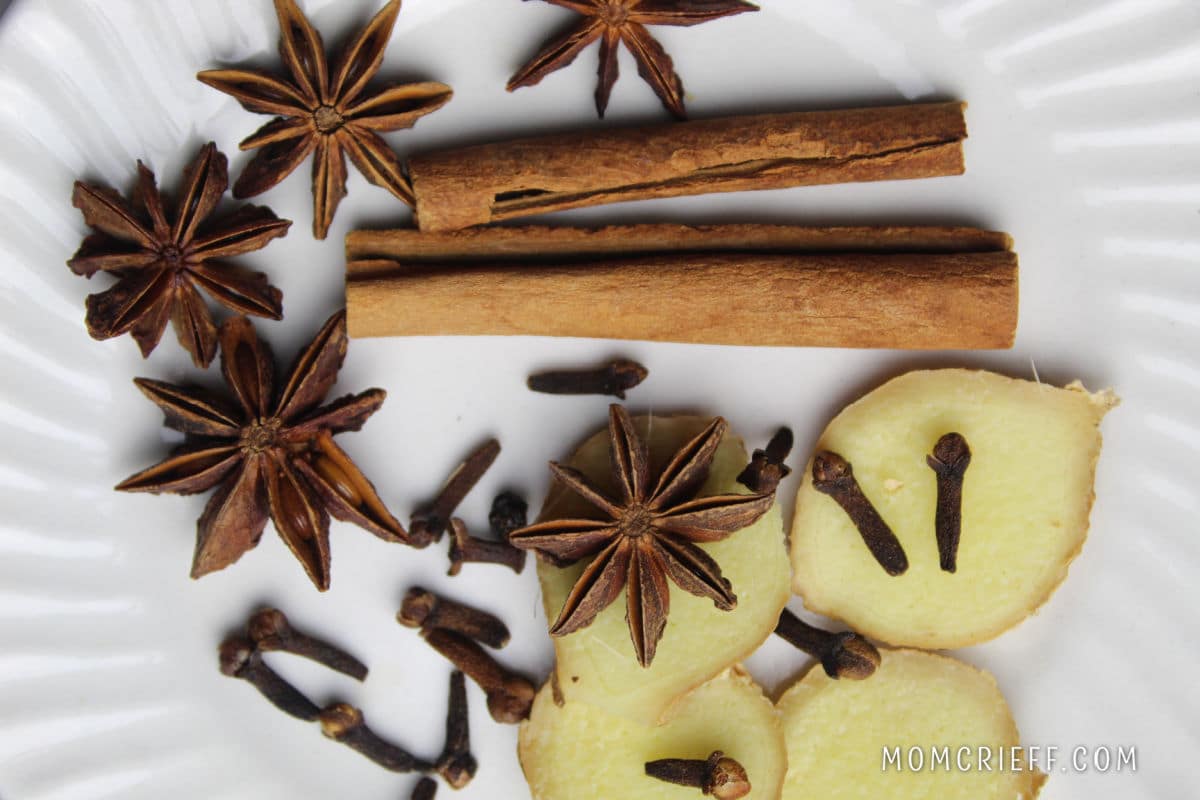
(429, 522)
(465, 548)
(614, 378)
(239, 658)
(456, 765)
(833, 475)
(509, 512)
(717, 775)
(509, 696)
(766, 468)
(271, 630)
(344, 723)
(950, 458)
(842, 655)
(423, 609)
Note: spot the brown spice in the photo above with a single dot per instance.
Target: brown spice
(766, 468)
(344, 723)
(717, 775)
(456, 765)
(612, 22)
(270, 629)
(950, 458)
(842, 655)
(425, 610)
(239, 658)
(614, 378)
(509, 695)
(270, 452)
(647, 534)
(468, 549)
(833, 475)
(486, 183)
(429, 522)
(323, 112)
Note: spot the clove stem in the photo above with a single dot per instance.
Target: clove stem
(426, 789)
(429, 522)
(423, 609)
(239, 658)
(766, 468)
(614, 378)
(833, 475)
(344, 723)
(271, 630)
(717, 775)
(468, 549)
(842, 655)
(456, 764)
(950, 458)
(509, 696)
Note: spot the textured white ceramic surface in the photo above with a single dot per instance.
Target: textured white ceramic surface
(1084, 119)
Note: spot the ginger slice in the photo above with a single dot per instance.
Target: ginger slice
(1026, 497)
(839, 733)
(597, 665)
(578, 751)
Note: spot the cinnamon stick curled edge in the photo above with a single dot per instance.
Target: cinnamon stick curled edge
(462, 187)
(887, 287)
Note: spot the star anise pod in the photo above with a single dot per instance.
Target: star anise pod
(270, 452)
(645, 535)
(325, 113)
(615, 21)
(161, 265)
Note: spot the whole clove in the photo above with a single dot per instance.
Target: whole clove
(842, 655)
(426, 789)
(239, 658)
(766, 468)
(614, 378)
(509, 512)
(468, 549)
(427, 611)
(833, 475)
(429, 522)
(950, 458)
(456, 764)
(717, 775)
(509, 695)
(270, 630)
(344, 723)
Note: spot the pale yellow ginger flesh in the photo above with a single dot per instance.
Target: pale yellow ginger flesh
(1027, 494)
(837, 732)
(577, 751)
(597, 664)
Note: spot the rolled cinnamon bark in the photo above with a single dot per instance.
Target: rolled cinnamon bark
(898, 287)
(475, 185)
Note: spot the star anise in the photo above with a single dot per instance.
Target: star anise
(161, 265)
(323, 112)
(615, 21)
(644, 536)
(270, 450)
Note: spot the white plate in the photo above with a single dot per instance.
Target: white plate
(1084, 120)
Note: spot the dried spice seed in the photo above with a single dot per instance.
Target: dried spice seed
(161, 266)
(465, 548)
(647, 535)
(426, 789)
(239, 658)
(613, 22)
(268, 450)
(842, 655)
(323, 112)
(717, 775)
(766, 468)
(430, 521)
(456, 765)
(833, 475)
(344, 723)
(425, 610)
(950, 458)
(270, 630)
(509, 695)
(614, 378)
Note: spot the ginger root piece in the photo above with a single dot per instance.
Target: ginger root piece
(597, 664)
(578, 751)
(1026, 496)
(837, 733)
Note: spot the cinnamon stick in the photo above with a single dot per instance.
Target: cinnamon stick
(894, 287)
(475, 185)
